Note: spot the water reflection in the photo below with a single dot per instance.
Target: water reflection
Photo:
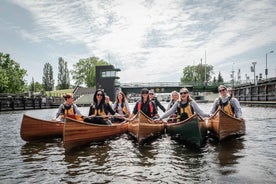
(229, 152)
(37, 150)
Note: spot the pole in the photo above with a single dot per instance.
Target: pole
(205, 70)
(266, 70)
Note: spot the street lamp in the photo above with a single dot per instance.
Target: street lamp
(253, 69)
(266, 70)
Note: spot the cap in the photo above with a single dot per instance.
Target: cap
(144, 90)
(151, 91)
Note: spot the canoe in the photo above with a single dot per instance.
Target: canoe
(78, 133)
(141, 127)
(222, 125)
(192, 131)
(38, 129)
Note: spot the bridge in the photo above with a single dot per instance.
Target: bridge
(164, 87)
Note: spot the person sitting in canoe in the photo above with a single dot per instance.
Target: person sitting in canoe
(99, 110)
(227, 103)
(156, 101)
(121, 107)
(174, 99)
(185, 107)
(145, 105)
(68, 109)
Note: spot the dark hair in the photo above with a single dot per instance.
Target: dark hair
(95, 96)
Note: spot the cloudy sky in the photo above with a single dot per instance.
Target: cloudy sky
(149, 40)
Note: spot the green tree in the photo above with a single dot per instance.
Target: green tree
(63, 74)
(196, 74)
(35, 86)
(47, 79)
(84, 72)
(220, 79)
(11, 75)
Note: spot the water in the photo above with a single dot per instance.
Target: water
(249, 159)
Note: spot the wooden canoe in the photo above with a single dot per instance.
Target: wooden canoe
(38, 129)
(192, 131)
(78, 133)
(222, 125)
(141, 127)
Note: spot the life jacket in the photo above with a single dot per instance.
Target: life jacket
(67, 110)
(184, 111)
(150, 107)
(124, 108)
(100, 111)
(226, 107)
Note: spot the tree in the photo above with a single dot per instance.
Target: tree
(11, 75)
(84, 72)
(47, 79)
(220, 79)
(196, 74)
(35, 86)
(63, 74)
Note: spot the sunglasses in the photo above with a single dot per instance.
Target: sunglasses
(150, 93)
(99, 94)
(221, 90)
(183, 93)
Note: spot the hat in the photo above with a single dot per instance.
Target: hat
(151, 91)
(144, 90)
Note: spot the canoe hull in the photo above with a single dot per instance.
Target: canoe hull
(143, 128)
(78, 133)
(223, 126)
(37, 129)
(192, 131)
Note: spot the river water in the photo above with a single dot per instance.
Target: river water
(248, 159)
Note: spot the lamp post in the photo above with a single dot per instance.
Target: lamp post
(253, 69)
(266, 70)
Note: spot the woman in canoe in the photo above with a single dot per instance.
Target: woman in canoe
(145, 105)
(185, 107)
(68, 108)
(99, 110)
(174, 99)
(121, 107)
(227, 103)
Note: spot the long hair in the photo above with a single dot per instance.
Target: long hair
(95, 102)
(124, 100)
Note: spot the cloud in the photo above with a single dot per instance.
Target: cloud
(155, 39)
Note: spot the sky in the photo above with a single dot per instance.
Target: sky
(149, 40)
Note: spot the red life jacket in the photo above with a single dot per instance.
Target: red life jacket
(150, 106)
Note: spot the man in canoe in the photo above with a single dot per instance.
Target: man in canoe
(156, 101)
(145, 105)
(68, 108)
(227, 103)
(185, 107)
(99, 110)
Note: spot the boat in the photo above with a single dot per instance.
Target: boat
(79, 133)
(222, 125)
(192, 131)
(38, 129)
(141, 127)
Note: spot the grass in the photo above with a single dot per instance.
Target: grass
(59, 93)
